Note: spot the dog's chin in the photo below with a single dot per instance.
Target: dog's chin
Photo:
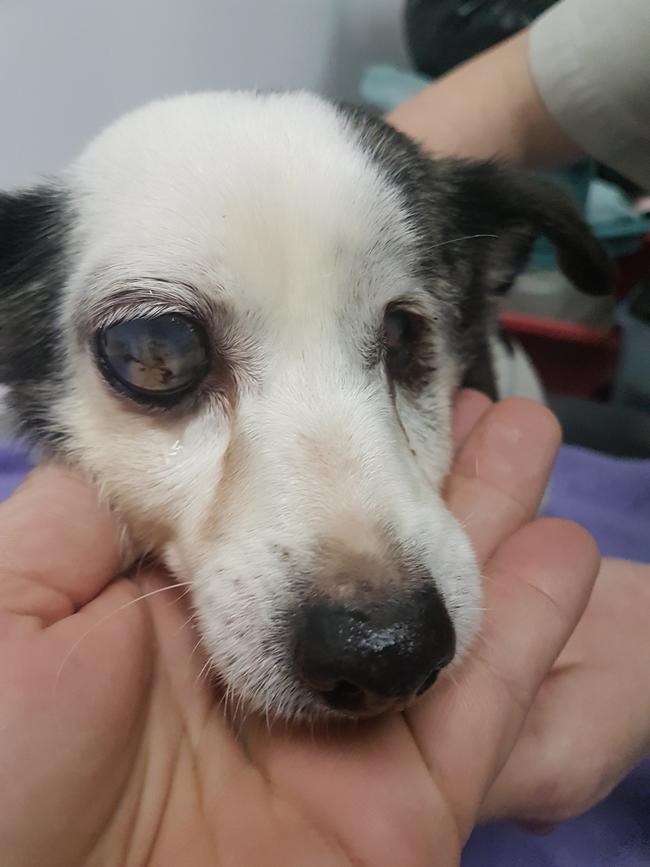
(315, 715)
(312, 710)
(342, 702)
(318, 715)
(349, 715)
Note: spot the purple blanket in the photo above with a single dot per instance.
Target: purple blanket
(14, 466)
(611, 497)
(608, 496)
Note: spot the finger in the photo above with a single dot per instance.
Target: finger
(469, 407)
(74, 711)
(498, 479)
(537, 586)
(563, 763)
(571, 754)
(365, 787)
(576, 744)
(58, 547)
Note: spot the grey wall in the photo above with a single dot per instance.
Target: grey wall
(67, 67)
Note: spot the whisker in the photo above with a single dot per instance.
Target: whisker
(187, 623)
(452, 677)
(237, 717)
(228, 701)
(196, 647)
(467, 519)
(107, 617)
(462, 238)
(206, 668)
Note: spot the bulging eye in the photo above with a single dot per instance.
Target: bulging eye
(156, 361)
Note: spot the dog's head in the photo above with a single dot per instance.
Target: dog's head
(245, 317)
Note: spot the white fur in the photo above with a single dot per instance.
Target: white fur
(269, 204)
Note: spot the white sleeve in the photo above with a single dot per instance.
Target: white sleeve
(590, 60)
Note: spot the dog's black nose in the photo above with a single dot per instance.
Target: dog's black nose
(362, 659)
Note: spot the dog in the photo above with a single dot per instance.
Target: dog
(245, 316)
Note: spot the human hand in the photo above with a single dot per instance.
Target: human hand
(590, 722)
(118, 751)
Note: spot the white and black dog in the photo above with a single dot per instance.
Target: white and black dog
(245, 317)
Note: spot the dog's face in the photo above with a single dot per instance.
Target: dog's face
(245, 317)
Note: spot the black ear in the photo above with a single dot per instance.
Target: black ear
(32, 267)
(491, 216)
(515, 208)
(494, 212)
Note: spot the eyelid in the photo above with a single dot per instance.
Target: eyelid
(143, 298)
(414, 306)
(131, 312)
(410, 309)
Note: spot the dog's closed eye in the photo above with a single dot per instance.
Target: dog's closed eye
(409, 356)
(156, 361)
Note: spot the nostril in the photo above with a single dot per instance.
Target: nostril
(345, 696)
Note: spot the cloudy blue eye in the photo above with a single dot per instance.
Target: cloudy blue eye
(156, 361)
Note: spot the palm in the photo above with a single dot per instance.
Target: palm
(128, 750)
(356, 796)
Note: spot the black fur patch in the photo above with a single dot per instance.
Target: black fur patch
(477, 223)
(32, 274)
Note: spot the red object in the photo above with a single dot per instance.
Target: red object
(571, 359)
(574, 359)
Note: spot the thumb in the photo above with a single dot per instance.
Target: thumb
(59, 547)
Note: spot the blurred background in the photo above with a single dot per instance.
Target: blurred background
(67, 68)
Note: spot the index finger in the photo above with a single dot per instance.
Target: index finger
(539, 582)
(468, 407)
(59, 547)
(499, 476)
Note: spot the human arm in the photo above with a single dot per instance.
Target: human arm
(487, 108)
(574, 83)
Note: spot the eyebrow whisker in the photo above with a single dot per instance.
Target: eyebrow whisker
(462, 238)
